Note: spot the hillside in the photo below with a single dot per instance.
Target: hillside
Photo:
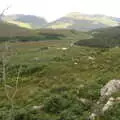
(27, 21)
(108, 37)
(11, 30)
(83, 22)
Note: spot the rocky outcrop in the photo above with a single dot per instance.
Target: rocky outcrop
(106, 100)
(111, 87)
(108, 105)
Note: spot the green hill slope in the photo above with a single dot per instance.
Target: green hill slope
(11, 30)
(108, 37)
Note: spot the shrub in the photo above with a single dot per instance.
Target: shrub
(58, 59)
(23, 114)
(56, 104)
(75, 112)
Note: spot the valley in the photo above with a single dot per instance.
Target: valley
(59, 65)
(57, 74)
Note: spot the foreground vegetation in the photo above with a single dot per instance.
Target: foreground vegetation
(51, 77)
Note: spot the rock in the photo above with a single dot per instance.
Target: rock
(92, 116)
(62, 48)
(105, 101)
(38, 107)
(108, 105)
(111, 87)
(84, 101)
(118, 99)
(91, 58)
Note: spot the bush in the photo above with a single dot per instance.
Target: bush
(68, 107)
(56, 104)
(75, 112)
(23, 114)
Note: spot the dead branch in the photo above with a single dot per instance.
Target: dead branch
(3, 12)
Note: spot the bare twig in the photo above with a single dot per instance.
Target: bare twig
(9, 96)
(3, 12)
(17, 81)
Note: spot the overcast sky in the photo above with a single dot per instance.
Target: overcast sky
(52, 9)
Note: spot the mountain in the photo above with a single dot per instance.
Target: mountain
(104, 38)
(27, 21)
(74, 20)
(84, 22)
(12, 32)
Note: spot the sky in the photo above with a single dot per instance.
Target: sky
(53, 9)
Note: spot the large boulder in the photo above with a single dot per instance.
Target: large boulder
(106, 100)
(111, 87)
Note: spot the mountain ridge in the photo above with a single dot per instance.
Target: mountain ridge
(28, 21)
(78, 21)
(73, 20)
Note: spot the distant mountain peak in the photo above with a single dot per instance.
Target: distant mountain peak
(73, 20)
(78, 14)
(80, 21)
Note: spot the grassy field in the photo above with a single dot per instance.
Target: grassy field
(54, 76)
